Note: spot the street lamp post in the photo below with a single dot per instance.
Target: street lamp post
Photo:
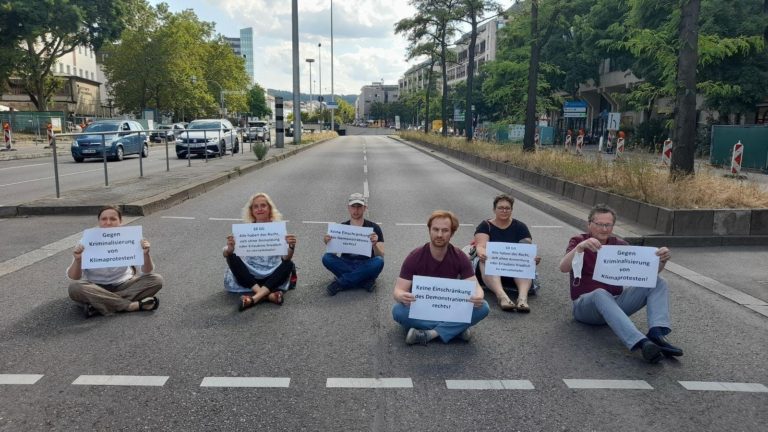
(309, 106)
(221, 93)
(332, 97)
(320, 78)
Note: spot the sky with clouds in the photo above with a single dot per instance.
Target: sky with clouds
(366, 48)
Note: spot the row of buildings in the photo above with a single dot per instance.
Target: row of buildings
(85, 91)
(597, 97)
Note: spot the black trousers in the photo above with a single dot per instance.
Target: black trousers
(244, 277)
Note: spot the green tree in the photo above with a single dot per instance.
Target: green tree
(471, 12)
(345, 113)
(429, 33)
(48, 29)
(257, 102)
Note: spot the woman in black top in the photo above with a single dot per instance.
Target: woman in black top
(502, 228)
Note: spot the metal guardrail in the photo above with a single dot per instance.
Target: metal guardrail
(55, 137)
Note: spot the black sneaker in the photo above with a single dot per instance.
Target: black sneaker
(651, 351)
(369, 285)
(333, 288)
(89, 311)
(667, 348)
(416, 336)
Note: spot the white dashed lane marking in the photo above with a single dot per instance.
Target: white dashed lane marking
(19, 379)
(724, 386)
(488, 385)
(607, 384)
(262, 382)
(121, 380)
(369, 383)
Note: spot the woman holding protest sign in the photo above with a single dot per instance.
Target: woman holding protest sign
(113, 289)
(503, 228)
(260, 276)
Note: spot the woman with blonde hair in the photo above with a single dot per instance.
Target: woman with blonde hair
(259, 276)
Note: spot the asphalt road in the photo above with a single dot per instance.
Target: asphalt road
(29, 179)
(314, 340)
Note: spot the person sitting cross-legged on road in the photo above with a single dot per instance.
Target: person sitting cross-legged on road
(503, 228)
(598, 303)
(114, 289)
(259, 276)
(356, 271)
(438, 258)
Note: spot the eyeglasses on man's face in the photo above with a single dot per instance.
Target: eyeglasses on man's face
(602, 225)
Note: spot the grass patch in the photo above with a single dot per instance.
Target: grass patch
(307, 138)
(635, 178)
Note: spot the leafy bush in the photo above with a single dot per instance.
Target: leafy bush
(260, 149)
(651, 133)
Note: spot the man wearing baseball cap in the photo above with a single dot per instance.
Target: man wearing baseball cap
(356, 271)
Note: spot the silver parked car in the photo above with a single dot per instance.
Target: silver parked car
(258, 130)
(214, 137)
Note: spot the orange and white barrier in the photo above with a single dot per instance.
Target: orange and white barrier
(666, 153)
(736, 159)
(620, 147)
(50, 135)
(568, 143)
(8, 136)
(579, 144)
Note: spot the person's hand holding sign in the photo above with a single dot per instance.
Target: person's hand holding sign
(374, 238)
(664, 255)
(145, 246)
(591, 244)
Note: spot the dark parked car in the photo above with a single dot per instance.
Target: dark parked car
(214, 137)
(167, 131)
(121, 137)
(257, 130)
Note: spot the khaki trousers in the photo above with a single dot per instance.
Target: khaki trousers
(109, 299)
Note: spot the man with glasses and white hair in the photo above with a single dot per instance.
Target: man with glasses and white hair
(598, 303)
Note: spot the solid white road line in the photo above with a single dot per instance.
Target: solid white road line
(23, 166)
(369, 383)
(44, 252)
(607, 384)
(121, 380)
(48, 178)
(724, 386)
(177, 217)
(489, 385)
(19, 379)
(365, 169)
(224, 219)
(245, 382)
(366, 192)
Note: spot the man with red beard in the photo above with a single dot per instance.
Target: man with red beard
(438, 258)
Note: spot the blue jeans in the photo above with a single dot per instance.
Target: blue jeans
(352, 273)
(600, 307)
(446, 330)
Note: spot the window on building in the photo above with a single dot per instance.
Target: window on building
(482, 47)
(61, 67)
(81, 72)
(68, 73)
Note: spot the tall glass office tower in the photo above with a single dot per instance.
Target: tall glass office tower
(246, 50)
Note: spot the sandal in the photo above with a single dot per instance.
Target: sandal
(246, 302)
(276, 297)
(507, 305)
(149, 304)
(522, 306)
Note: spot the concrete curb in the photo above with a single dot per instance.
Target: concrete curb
(576, 213)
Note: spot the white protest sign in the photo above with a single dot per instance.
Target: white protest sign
(511, 260)
(349, 239)
(260, 239)
(112, 247)
(439, 299)
(627, 266)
